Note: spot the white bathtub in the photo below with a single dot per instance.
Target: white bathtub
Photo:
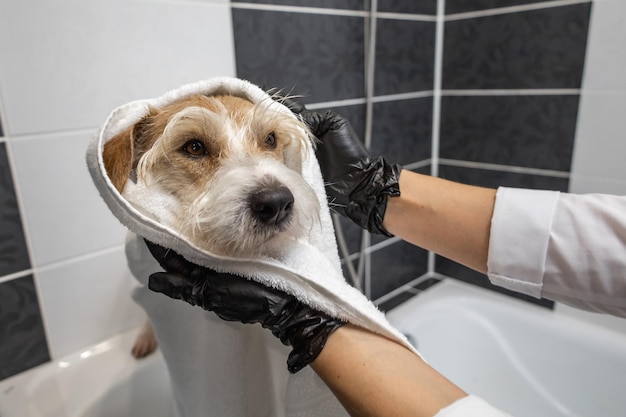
(524, 359)
(101, 381)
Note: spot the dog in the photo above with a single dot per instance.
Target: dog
(224, 172)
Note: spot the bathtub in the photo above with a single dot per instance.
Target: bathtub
(524, 359)
(103, 380)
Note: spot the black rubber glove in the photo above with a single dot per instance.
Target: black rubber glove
(234, 298)
(357, 185)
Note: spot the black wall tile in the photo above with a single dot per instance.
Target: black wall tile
(408, 6)
(405, 54)
(22, 337)
(332, 4)
(495, 179)
(402, 130)
(526, 131)
(459, 6)
(13, 252)
(536, 49)
(396, 265)
(318, 56)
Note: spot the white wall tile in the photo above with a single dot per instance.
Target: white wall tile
(600, 145)
(66, 64)
(87, 300)
(64, 214)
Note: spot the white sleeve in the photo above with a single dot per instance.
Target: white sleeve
(471, 406)
(565, 247)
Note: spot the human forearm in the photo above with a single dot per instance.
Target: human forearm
(451, 219)
(373, 376)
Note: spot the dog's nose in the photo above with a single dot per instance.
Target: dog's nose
(272, 205)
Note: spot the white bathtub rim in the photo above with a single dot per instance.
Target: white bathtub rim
(21, 396)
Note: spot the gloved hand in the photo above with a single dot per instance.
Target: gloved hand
(357, 185)
(234, 298)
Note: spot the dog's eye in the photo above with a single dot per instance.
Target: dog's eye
(270, 140)
(194, 148)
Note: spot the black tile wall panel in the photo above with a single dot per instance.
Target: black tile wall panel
(22, 337)
(536, 49)
(331, 4)
(460, 6)
(320, 57)
(525, 131)
(396, 265)
(408, 6)
(402, 130)
(13, 251)
(454, 270)
(495, 179)
(405, 54)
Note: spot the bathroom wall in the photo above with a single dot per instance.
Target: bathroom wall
(64, 65)
(462, 89)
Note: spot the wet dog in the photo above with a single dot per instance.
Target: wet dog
(221, 171)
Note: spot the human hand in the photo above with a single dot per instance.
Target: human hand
(234, 298)
(357, 185)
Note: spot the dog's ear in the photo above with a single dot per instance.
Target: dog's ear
(118, 154)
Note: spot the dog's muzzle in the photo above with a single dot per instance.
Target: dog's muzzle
(272, 205)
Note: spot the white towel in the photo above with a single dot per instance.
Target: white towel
(310, 269)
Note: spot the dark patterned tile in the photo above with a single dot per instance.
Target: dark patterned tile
(454, 270)
(13, 252)
(527, 131)
(405, 54)
(320, 57)
(331, 4)
(396, 265)
(402, 130)
(495, 179)
(536, 49)
(355, 115)
(22, 337)
(460, 6)
(408, 6)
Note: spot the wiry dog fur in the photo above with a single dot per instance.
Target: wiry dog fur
(221, 171)
(208, 159)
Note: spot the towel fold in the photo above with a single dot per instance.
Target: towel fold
(309, 268)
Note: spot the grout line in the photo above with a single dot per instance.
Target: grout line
(504, 168)
(438, 75)
(79, 258)
(298, 9)
(407, 16)
(513, 92)
(419, 164)
(403, 288)
(402, 96)
(513, 9)
(336, 103)
(40, 135)
(370, 68)
(16, 275)
(448, 93)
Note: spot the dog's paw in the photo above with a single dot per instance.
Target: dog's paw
(145, 343)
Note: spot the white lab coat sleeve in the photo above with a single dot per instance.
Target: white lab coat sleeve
(471, 406)
(565, 247)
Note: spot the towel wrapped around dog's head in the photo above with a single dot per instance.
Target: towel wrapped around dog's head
(255, 137)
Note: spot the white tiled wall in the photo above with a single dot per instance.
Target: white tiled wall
(598, 162)
(65, 64)
(600, 147)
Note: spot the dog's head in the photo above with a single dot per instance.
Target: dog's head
(223, 172)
